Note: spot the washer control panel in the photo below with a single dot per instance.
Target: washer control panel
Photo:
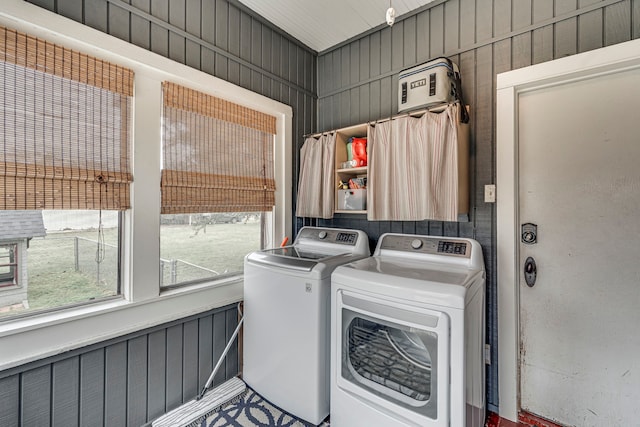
(327, 235)
(427, 245)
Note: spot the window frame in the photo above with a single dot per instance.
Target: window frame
(142, 303)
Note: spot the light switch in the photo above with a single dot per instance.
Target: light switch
(490, 193)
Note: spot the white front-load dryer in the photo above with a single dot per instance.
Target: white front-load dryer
(407, 335)
(286, 318)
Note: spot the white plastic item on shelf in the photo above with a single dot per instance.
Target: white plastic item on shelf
(355, 200)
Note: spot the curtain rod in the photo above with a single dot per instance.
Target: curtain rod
(372, 122)
(435, 109)
(416, 113)
(399, 116)
(318, 134)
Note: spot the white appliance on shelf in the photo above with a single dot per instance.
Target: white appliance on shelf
(287, 316)
(407, 335)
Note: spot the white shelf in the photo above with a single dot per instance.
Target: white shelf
(344, 174)
(353, 171)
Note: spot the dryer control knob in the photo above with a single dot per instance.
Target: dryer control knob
(322, 235)
(416, 243)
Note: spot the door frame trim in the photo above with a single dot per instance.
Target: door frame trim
(509, 86)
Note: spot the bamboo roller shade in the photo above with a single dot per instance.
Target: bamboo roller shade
(193, 101)
(41, 55)
(217, 155)
(65, 127)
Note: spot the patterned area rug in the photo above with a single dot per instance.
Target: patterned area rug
(252, 410)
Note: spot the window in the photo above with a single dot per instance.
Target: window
(217, 185)
(64, 172)
(140, 303)
(8, 264)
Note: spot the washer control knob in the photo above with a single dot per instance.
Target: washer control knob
(322, 235)
(416, 243)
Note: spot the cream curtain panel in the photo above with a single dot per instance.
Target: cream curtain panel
(316, 186)
(413, 168)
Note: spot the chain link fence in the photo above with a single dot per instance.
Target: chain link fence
(174, 271)
(101, 265)
(97, 261)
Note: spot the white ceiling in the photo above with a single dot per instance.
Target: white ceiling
(321, 24)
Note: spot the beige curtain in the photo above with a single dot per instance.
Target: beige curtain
(413, 168)
(316, 186)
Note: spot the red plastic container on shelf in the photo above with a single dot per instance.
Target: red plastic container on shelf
(359, 150)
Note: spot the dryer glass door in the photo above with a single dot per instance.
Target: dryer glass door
(393, 353)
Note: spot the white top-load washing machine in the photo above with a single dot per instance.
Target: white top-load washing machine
(407, 340)
(286, 318)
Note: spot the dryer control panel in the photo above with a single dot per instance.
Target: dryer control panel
(426, 245)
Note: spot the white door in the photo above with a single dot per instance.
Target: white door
(579, 182)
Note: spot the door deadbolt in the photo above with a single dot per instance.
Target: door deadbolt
(530, 271)
(529, 233)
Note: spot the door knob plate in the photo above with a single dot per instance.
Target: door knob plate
(530, 271)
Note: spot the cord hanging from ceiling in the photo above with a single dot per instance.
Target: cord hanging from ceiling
(391, 18)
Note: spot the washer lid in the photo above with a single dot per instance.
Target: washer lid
(299, 252)
(314, 264)
(296, 258)
(316, 249)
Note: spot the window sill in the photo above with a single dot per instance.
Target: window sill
(9, 286)
(27, 339)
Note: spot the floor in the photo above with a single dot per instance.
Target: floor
(494, 420)
(524, 420)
